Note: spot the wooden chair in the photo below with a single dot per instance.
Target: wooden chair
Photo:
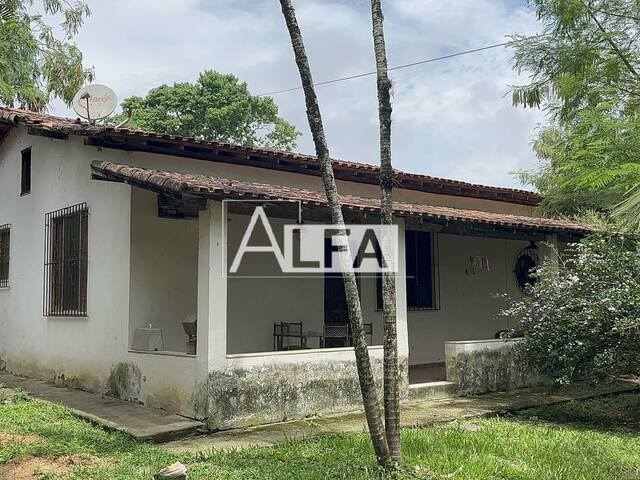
(337, 336)
(287, 336)
(277, 336)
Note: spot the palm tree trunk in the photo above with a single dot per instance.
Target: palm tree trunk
(365, 374)
(391, 374)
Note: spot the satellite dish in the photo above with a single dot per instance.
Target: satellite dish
(94, 102)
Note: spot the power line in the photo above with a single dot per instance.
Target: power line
(398, 67)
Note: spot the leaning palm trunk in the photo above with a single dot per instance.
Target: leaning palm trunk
(365, 374)
(391, 373)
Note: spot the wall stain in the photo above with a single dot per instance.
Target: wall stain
(125, 382)
(238, 397)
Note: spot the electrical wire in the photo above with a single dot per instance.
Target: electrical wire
(397, 67)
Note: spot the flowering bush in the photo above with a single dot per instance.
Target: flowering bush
(581, 319)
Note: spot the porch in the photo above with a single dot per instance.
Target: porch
(246, 371)
(270, 312)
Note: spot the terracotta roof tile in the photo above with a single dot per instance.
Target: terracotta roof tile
(216, 187)
(424, 182)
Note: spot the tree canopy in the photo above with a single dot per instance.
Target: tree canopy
(584, 73)
(216, 107)
(36, 65)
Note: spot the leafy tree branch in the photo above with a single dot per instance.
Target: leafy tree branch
(35, 66)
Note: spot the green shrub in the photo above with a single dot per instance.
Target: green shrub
(581, 319)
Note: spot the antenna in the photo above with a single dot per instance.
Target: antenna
(94, 102)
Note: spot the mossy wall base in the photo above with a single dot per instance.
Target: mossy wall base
(488, 366)
(239, 396)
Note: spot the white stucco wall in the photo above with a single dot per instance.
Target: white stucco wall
(81, 349)
(468, 303)
(468, 306)
(164, 275)
(260, 295)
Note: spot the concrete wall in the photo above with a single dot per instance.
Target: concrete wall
(248, 389)
(482, 366)
(259, 294)
(91, 352)
(468, 302)
(263, 388)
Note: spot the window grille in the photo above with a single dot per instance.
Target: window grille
(5, 254)
(65, 268)
(422, 271)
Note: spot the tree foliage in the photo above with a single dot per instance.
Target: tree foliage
(36, 65)
(587, 165)
(584, 73)
(216, 107)
(582, 317)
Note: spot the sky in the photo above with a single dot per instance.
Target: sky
(451, 118)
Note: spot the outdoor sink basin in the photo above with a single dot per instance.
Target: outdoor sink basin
(148, 339)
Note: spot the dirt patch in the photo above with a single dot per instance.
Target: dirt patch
(32, 467)
(28, 468)
(9, 437)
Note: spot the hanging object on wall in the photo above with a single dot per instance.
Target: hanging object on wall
(478, 264)
(526, 261)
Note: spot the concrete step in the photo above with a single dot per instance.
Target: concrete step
(432, 390)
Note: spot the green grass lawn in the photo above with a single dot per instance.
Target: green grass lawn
(595, 439)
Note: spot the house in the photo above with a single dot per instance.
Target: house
(111, 238)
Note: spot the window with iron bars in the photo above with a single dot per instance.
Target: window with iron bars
(65, 268)
(5, 246)
(423, 272)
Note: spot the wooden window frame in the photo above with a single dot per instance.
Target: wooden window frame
(5, 255)
(25, 171)
(66, 262)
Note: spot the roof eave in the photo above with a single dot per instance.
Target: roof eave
(156, 183)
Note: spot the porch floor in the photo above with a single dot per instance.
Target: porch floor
(143, 423)
(429, 372)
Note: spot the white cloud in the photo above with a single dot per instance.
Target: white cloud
(451, 118)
